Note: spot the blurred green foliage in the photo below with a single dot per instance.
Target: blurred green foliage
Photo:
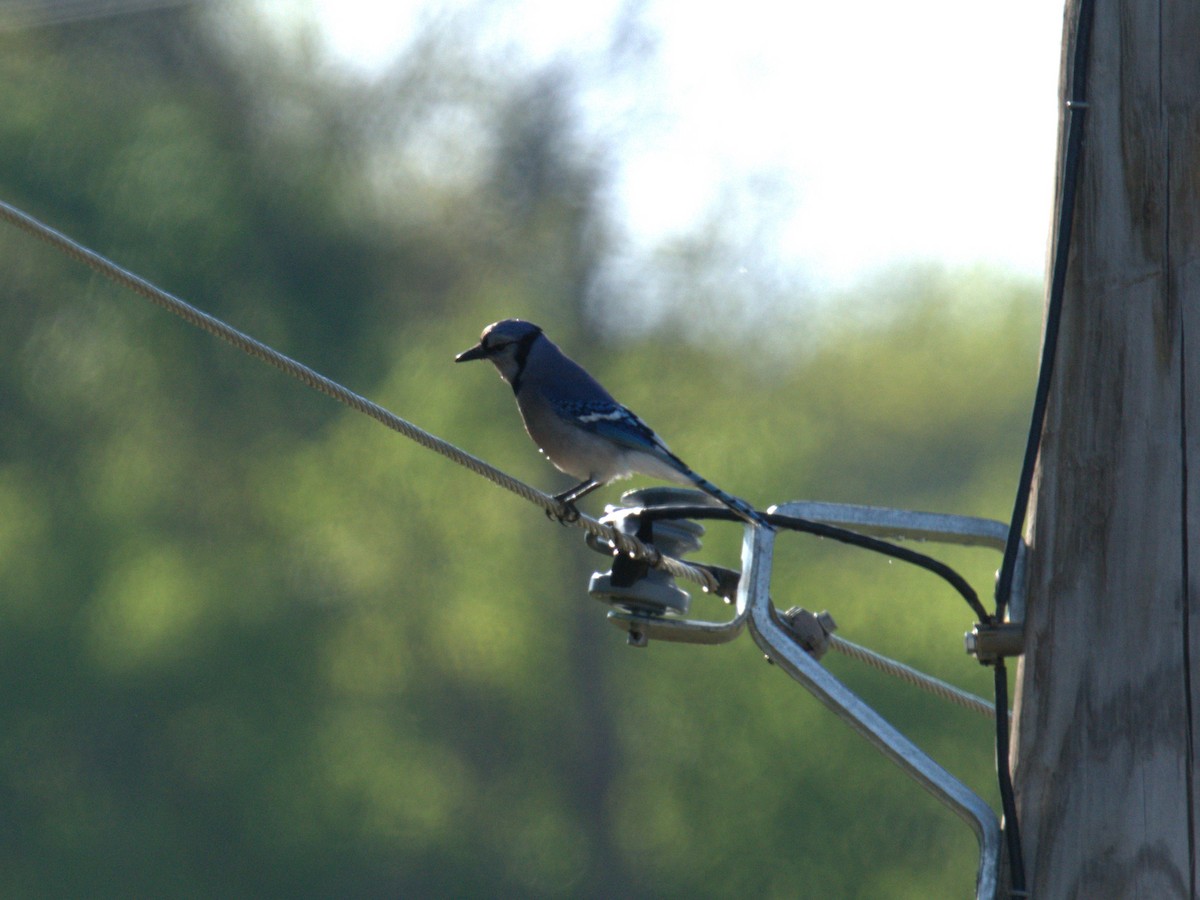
(255, 645)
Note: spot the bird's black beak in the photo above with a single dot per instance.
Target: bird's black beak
(477, 352)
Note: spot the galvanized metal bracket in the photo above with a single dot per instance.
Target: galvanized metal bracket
(774, 634)
(780, 645)
(987, 642)
(910, 525)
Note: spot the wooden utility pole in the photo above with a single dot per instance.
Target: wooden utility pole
(1108, 698)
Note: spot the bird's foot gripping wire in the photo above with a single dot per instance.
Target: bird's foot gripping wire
(569, 514)
(567, 500)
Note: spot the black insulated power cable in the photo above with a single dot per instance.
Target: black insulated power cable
(1076, 106)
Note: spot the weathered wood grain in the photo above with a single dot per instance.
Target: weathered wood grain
(1181, 89)
(1106, 708)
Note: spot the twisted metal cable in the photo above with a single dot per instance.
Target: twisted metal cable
(918, 679)
(622, 543)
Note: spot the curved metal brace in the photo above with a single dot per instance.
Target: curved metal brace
(781, 648)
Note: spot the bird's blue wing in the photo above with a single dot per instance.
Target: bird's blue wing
(620, 427)
(617, 424)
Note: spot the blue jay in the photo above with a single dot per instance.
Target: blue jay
(576, 423)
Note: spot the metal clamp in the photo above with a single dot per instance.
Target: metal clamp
(647, 605)
(812, 630)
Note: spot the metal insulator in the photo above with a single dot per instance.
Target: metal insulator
(635, 586)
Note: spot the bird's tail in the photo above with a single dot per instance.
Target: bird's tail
(739, 506)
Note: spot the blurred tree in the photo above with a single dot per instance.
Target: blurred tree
(256, 646)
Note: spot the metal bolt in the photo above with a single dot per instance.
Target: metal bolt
(988, 643)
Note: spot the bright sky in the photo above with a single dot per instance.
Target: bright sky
(861, 133)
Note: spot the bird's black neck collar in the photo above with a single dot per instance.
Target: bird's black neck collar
(522, 356)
